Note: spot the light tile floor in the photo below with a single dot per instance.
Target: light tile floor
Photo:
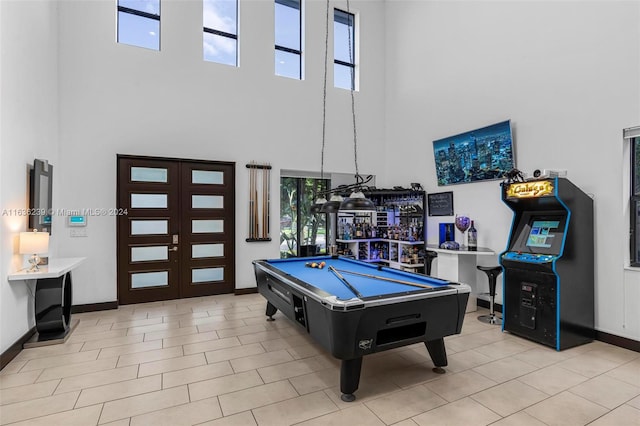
(216, 361)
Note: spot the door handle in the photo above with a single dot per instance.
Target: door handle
(175, 248)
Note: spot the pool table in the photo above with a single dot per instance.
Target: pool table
(353, 308)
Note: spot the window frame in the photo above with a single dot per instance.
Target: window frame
(305, 189)
(277, 47)
(352, 66)
(141, 14)
(213, 31)
(634, 201)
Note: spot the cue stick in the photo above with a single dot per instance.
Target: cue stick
(345, 282)
(255, 213)
(256, 218)
(261, 231)
(251, 200)
(264, 202)
(386, 279)
(253, 205)
(268, 198)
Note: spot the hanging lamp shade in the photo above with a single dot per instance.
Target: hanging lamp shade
(357, 202)
(333, 205)
(317, 206)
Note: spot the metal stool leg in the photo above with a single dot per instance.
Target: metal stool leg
(492, 274)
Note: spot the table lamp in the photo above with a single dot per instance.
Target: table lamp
(34, 243)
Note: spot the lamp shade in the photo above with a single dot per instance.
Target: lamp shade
(357, 202)
(34, 242)
(317, 206)
(333, 205)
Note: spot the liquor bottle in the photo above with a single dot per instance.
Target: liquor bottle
(347, 232)
(472, 237)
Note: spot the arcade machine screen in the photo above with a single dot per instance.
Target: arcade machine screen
(541, 234)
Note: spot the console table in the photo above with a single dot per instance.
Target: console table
(460, 266)
(52, 299)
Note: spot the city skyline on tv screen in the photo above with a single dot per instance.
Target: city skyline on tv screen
(477, 155)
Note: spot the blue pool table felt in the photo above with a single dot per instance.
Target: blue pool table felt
(327, 281)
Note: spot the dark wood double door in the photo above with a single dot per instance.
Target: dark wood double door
(177, 238)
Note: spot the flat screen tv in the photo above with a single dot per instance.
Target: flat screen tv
(477, 155)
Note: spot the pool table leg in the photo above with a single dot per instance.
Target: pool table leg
(350, 378)
(438, 354)
(271, 311)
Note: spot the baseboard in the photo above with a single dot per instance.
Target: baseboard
(14, 350)
(623, 342)
(241, 291)
(93, 307)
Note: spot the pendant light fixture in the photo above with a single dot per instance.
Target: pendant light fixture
(357, 200)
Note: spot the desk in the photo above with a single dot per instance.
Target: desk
(386, 315)
(460, 266)
(52, 299)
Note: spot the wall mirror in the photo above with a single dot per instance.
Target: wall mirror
(41, 188)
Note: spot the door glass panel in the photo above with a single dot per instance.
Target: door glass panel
(200, 226)
(143, 254)
(207, 177)
(149, 227)
(150, 279)
(207, 202)
(207, 250)
(148, 201)
(148, 174)
(207, 275)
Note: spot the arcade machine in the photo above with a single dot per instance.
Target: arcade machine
(548, 267)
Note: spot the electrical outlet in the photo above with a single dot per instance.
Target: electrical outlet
(78, 232)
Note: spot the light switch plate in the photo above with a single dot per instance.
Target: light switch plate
(78, 232)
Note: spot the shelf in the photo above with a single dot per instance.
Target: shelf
(56, 268)
(411, 265)
(364, 247)
(462, 251)
(380, 240)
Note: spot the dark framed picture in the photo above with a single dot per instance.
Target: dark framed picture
(440, 203)
(476, 155)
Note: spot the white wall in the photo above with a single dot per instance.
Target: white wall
(118, 99)
(566, 73)
(29, 130)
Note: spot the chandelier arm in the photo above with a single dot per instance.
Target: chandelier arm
(360, 184)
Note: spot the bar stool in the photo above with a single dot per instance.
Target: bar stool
(428, 260)
(492, 274)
